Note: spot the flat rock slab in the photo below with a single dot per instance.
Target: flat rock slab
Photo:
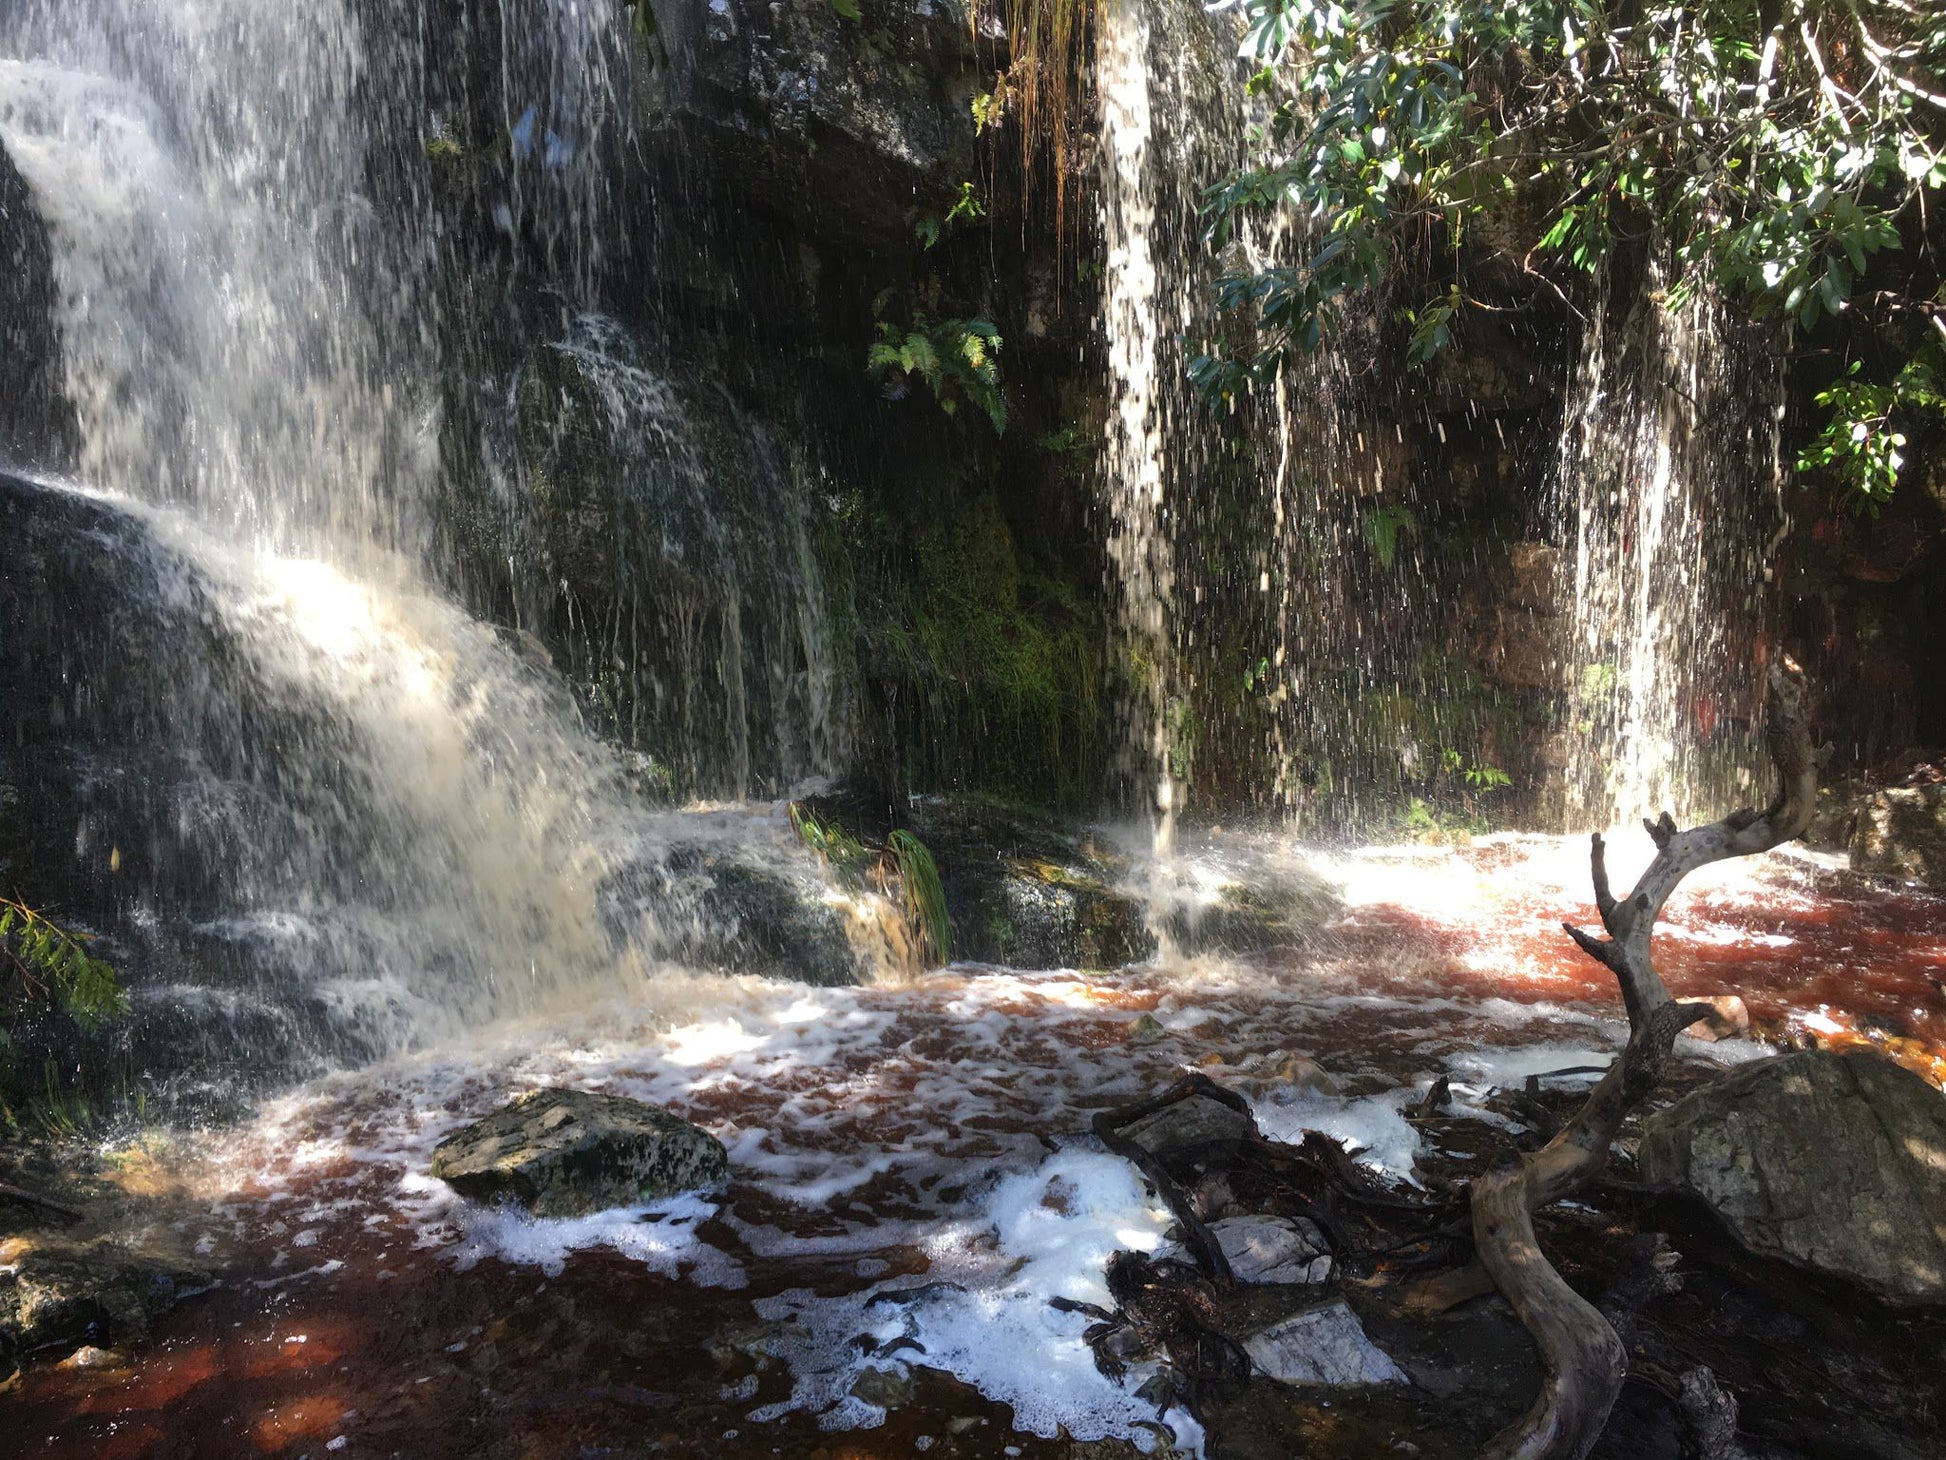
(1322, 1345)
(1833, 1161)
(1189, 1126)
(1266, 1249)
(565, 1153)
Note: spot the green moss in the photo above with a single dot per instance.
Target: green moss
(984, 670)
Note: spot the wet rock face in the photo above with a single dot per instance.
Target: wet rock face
(565, 1153)
(1902, 831)
(1833, 1161)
(850, 123)
(36, 423)
(57, 1294)
(1518, 626)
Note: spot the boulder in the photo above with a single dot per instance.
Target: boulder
(565, 1153)
(58, 1294)
(1190, 1127)
(1903, 831)
(1835, 1161)
(1322, 1345)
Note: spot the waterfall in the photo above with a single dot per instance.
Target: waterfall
(402, 819)
(1668, 484)
(1139, 541)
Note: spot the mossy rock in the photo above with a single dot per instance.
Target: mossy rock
(57, 1294)
(1027, 891)
(565, 1153)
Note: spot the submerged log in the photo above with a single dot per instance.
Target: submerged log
(1582, 1357)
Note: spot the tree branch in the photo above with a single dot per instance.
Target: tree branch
(1583, 1362)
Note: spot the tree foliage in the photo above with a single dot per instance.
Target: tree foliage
(44, 965)
(1774, 149)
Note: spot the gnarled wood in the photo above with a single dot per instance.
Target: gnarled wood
(1582, 1359)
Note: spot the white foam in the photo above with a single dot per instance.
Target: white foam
(982, 1314)
(659, 1235)
(1372, 1127)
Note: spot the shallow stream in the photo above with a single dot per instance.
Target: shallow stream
(912, 1177)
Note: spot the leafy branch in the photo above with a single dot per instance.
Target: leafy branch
(1773, 150)
(43, 963)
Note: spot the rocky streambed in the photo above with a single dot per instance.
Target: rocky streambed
(913, 1176)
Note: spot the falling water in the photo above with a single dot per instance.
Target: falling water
(1170, 128)
(1669, 478)
(414, 822)
(1139, 540)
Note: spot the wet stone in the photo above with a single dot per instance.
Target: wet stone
(1267, 1249)
(1833, 1161)
(1321, 1345)
(565, 1153)
(1189, 1126)
(57, 1294)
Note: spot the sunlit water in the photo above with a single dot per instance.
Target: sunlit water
(911, 1175)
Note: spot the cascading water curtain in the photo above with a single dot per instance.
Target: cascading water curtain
(1668, 483)
(245, 228)
(1139, 543)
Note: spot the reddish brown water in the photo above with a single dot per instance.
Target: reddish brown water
(868, 1130)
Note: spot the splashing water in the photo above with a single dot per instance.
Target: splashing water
(1670, 479)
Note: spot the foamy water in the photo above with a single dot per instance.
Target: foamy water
(912, 1174)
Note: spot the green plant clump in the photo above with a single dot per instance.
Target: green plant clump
(925, 895)
(958, 360)
(904, 860)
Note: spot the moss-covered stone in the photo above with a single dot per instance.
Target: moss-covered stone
(1025, 891)
(57, 1294)
(564, 1153)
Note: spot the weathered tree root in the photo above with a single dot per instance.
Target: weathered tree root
(1583, 1361)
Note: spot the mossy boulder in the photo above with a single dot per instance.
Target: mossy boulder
(565, 1153)
(57, 1294)
(1026, 891)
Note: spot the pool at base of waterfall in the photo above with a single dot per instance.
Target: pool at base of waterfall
(912, 1179)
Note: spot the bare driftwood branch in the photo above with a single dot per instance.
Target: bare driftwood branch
(19, 1196)
(1583, 1361)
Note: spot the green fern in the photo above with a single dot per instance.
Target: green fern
(957, 359)
(45, 963)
